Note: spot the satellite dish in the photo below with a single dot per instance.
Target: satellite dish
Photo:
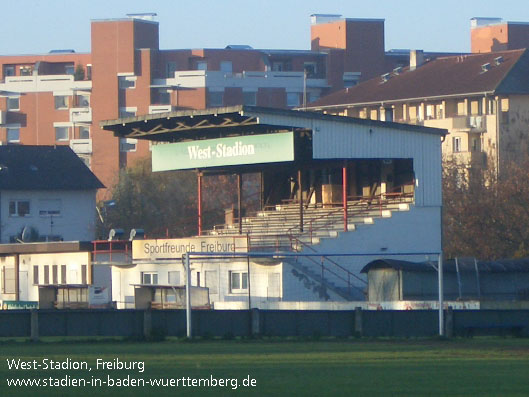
(28, 234)
(25, 235)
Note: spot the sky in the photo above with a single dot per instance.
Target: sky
(38, 26)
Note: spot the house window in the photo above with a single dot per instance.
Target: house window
(69, 69)
(238, 281)
(61, 102)
(26, 71)
(50, 207)
(13, 134)
(127, 145)
(310, 68)
(475, 144)
(46, 274)
(127, 82)
(55, 274)
(149, 277)
(215, 98)
(249, 98)
(164, 97)
(202, 65)
(456, 144)
(174, 278)
(84, 274)
(61, 133)
(63, 274)
(84, 132)
(8, 280)
(226, 66)
(35, 274)
(19, 208)
(89, 72)
(292, 99)
(9, 71)
(83, 101)
(170, 69)
(13, 103)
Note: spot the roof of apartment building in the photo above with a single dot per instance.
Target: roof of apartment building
(24, 167)
(504, 72)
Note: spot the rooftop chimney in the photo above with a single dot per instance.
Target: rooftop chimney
(416, 59)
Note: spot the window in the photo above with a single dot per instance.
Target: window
(292, 99)
(13, 134)
(13, 103)
(89, 72)
(9, 70)
(61, 102)
(249, 98)
(19, 208)
(174, 278)
(61, 133)
(149, 277)
(202, 65)
(314, 96)
(50, 207)
(215, 98)
(127, 82)
(164, 97)
(170, 69)
(226, 66)
(238, 281)
(475, 144)
(456, 144)
(83, 101)
(8, 280)
(69, 69)
(35, 274)
(310, 68)
(127, 145)
(26, 70)
(84, 132)
(84, 274)
(46, 274)
(63, 274)
(55, 273)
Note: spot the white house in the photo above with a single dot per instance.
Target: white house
(46, 194)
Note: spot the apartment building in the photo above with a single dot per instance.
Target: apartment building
(481, 99)
(60, 98)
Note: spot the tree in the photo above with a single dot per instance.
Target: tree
(485, 215)
(79, 73)
(165, 203)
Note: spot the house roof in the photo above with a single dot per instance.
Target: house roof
(504, 72)
(24, 167)
(464, 264)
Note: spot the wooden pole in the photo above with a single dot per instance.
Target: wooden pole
(199, 184)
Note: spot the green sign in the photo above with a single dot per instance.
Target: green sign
(19, 305)
(250, 149)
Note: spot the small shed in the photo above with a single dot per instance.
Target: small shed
(464, 279)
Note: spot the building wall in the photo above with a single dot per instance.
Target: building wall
(76, 221)
(499, 37)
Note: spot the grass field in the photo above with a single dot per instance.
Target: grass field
(354, 367)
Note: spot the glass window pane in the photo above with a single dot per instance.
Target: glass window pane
(244, 280)
(235, 281)
(23, 208)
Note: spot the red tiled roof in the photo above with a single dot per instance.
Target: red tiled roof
(446, 76)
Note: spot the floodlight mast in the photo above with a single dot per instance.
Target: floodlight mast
(188, 295)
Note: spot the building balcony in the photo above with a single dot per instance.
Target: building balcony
(247, 79)
(469, 158)
(459, 123)
(45, 83)
(81, 115)
(81, 146)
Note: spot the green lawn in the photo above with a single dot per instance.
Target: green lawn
(355, 367)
